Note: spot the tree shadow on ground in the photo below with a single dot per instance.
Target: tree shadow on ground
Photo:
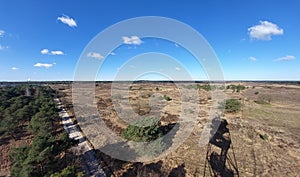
(116, 167)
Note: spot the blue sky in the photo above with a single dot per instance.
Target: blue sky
(253, 40)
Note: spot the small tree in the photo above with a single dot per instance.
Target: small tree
(18, 156)
(143, 130)
(231, 105)
(9, 125)
(167, 98)
(148, 131)
(69, 171)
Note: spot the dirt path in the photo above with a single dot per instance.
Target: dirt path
(90, 162)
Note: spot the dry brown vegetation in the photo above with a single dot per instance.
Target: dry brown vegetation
(260, 140)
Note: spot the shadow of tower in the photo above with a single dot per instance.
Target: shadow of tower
(218, 160)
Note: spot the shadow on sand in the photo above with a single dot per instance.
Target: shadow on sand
(116, 167)
(218, 161)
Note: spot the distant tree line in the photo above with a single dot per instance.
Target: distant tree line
(32, 109)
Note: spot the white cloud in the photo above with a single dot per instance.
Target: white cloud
(132, 40)
(286, 58)
(45, 65)
(67, 20)
(2, 47)
(264, 31)
(95, 55)
(57, 52)
(2, 32)
(14, 68)
(252, 58)
(48, 52)
(45, 51)
(177, 68)
(112, 53)
(176, 45)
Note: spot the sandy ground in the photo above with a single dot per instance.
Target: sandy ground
(259, 140)
(91, 165)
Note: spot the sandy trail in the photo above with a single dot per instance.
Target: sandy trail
(90, 162)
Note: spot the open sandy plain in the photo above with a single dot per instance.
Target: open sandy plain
(262, 139)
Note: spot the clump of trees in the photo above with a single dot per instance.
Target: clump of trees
(206, 87)
(231, 105)
(35, 113)
(209, 87)
(236, 88)
(146, 130)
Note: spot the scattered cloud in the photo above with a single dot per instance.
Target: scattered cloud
(45, 51)
(135, 40)
(67, 20)
(54, 52)
(2, 47)
(57, 52)
(2, 32)
(176, 45)
(177, 68)
(45, 65)
(14, 68)
(264, 31)
(286, 58)
(95, 55)
(252, 59)
(112, 53)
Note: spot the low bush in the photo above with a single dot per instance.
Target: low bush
(147, 129)
(236, 88)
(264, 136)
(231, 105)
(167, 98)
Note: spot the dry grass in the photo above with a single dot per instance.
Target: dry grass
(279, 122)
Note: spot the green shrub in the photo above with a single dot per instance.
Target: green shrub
(146, 130)
(167, 98)
(205, 87)
(236, 88)
(256, 93)
(264, 136)
(69, 171)
(231, 105)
